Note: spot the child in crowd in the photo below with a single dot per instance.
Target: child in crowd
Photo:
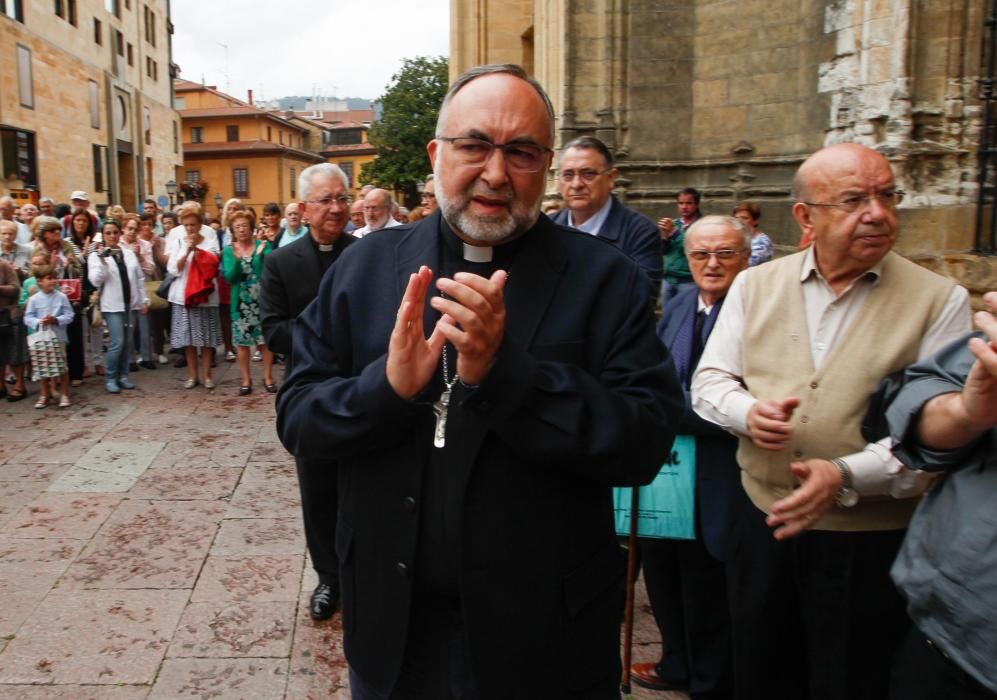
(49, 309)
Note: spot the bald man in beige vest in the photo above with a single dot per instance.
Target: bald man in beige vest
(799, 346)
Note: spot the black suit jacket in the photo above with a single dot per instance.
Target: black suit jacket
(291, 277)
(582, 396)
(634, 234)
(718, 477)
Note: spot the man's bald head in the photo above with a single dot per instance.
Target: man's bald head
(377, 205)
(819, 168)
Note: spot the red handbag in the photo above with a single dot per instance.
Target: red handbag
(72, 288)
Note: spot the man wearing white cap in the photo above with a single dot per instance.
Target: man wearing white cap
(80, 200)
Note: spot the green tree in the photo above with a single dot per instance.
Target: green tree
(410, 106)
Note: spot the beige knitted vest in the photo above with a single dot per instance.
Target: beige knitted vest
(884, 337)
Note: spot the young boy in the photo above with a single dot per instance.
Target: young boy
(49, 309)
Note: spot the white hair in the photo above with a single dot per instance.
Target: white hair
(328, 169)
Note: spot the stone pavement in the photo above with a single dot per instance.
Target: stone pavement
(151, 548)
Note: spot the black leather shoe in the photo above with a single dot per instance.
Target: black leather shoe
(147, 364)
(325, 600)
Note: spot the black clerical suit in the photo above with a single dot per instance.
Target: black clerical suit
(686, 580)
(582, 396)
(291, 277)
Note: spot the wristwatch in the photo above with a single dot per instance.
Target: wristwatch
(847, 495)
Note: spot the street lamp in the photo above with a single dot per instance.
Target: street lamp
(218, 203)
(171, 189)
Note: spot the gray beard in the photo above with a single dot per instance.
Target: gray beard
(490, 229)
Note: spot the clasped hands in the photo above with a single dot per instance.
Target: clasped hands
(473, 320)
(820, 481)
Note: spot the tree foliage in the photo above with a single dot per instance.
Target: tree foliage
(410, 106)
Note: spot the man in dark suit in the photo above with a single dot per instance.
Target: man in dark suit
(291, 277)
(476, 534)
(686, 580)
(586, 174)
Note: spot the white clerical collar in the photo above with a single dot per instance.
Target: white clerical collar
(478, 254)
(325, 248)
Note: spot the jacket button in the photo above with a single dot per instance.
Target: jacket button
(797, 453)
(804, 419)
(402, 569)
(813, 385)
(409, 503)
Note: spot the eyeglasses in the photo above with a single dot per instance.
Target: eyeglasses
(587, 176)
(374, 207)
(342, 200)
(722, 255)
(428, 195)
(519, 157)
(889, 199)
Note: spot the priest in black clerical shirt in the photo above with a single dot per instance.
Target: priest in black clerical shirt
(291, 277)
(484, 377)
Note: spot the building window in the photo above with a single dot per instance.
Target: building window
(60, 9)
(119, 42)
(149, 18)
(13, 9)
(240, 182)
(180, 103)
(347, 168)
(176, 137)
(99, 166)
(17, 156)
(94, 104)
(25, 84)
(197, 134)
(114, 7)
(232, 133)
(269, 134)
(98, 32)
(344, 137)
(294, 182)
(192, 177)
(131, 55)
(147, 125)
(155, 71)
(280, 135)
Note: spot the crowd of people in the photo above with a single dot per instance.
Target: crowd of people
(464, 384)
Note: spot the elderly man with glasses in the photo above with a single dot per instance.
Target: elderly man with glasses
(377, 209)
(484, 377)
(799, 346)
(586, 176)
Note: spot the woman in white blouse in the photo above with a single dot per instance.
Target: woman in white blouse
(192, 327)
(116, 272)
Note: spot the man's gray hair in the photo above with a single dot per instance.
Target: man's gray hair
(327, 169)
(491, 69)
(717, 220)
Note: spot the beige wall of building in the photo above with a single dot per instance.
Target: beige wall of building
(729, 97)
(67, 89)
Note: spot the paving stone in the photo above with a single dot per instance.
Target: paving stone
(65, 449)
(268, 471)
(270, 452)
(268, 433)
(75, 692)
(149, 544)
(256, 536)
(14, 496)
(17, 471)
(222, 629)
(109, 467)
(94, 637)
(117, 411)
(318, 667)
(27, 551)
(9, 448)
(22, 587)
(270, 499)
(216, 449)
(249, 579)
(74, 516)
(221, 679)
(186, 484)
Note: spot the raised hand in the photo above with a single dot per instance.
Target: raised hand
(412, 358)
(473, 320)
(768, 423)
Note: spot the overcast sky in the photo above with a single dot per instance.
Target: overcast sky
(290, 47)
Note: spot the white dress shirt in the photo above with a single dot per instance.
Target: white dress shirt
(719, 396)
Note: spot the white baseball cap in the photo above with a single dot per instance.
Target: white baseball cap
(80, 194)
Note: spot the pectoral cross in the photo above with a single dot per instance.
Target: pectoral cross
(440, 409)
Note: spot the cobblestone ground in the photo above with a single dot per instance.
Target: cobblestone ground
(151, 548)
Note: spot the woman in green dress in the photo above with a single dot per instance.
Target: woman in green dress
(242, 265)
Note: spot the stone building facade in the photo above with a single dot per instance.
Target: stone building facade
(86, 99)
(730, 96)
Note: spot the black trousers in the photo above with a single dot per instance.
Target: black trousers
(813, 617)
(688, 592)
(75, 350)
(319, 509)
(922, 672)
